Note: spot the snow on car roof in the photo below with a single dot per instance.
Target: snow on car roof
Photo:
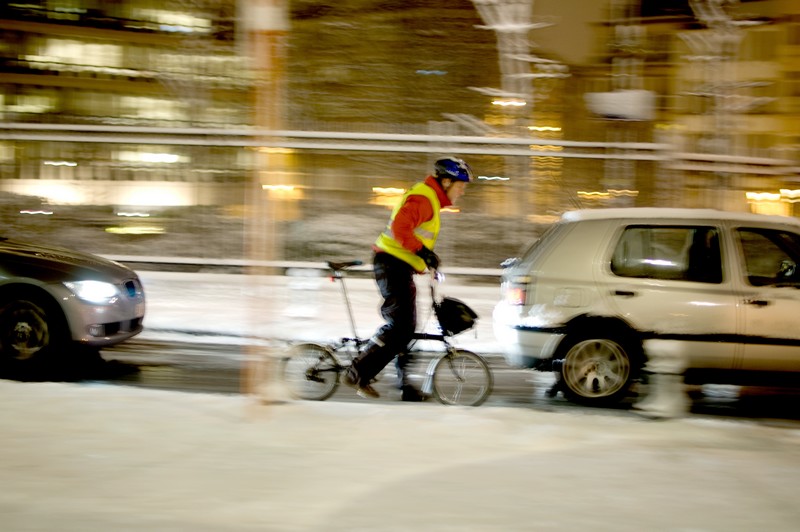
(674, 213)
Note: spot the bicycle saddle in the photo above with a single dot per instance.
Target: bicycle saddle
(337, 266)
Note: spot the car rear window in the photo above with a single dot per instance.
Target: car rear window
(677, 253)
(551, 234)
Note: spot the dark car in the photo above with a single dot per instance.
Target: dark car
(51, 297)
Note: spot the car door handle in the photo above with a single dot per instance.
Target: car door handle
(756, 302)
(624, 293)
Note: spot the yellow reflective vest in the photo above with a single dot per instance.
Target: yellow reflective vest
(426, 232)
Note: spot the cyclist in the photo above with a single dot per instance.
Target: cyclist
(404, 248)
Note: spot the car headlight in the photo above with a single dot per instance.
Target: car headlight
(93, 291)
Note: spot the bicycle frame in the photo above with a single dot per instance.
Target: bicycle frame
(427, 385)
(450, 371)
(337, 276)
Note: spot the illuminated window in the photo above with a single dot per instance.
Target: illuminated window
(81, 53)
(152, 157)
(29, 103)
(151, 108)
(6, 151)
(174, 21)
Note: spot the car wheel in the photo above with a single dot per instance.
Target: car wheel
(596, 370)
(28, 326)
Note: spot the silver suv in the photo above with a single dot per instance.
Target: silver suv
(603, 289)
(50, 297)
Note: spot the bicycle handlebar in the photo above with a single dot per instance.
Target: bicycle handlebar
(436, 277)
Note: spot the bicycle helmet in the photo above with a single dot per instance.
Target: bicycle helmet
(453, 168)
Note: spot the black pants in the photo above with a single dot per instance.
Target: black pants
(395, 279)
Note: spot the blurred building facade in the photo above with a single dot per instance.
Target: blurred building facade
(148, 63)
(698, 106)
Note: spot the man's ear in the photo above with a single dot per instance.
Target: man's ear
(446, 182)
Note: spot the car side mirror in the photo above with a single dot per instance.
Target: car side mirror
(509, 262)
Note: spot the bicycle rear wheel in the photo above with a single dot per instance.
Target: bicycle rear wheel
(462, 378)
(311, 372)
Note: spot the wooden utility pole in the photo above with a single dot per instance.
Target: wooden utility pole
(264, 31)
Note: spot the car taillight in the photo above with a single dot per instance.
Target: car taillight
(515, 291)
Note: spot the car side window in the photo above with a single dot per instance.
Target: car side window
(678, 253)
(771, 257)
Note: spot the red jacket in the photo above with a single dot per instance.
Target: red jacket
(414, 212)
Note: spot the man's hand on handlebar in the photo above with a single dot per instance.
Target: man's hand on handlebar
(430, 258)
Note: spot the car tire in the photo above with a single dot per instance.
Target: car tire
(597, 369)
(29, 326)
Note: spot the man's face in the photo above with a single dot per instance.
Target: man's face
(456, 190)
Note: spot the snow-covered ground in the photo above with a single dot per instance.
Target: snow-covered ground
(83, 457)
(94, 457)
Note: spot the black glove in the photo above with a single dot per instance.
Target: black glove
(430, 258)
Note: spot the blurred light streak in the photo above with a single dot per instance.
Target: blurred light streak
(763, 196)
(136, 230)
(158, 158)
(509, 103)
(610, 193)
(283, 192)
(544, 128)
(546, 147)
(623, 192)
(790, 196)
(324, 140)
(60, 163)
(386, 196)
(46, 213)
(594, 195)
(275, 151)
(54, 193)
(785, 195)
(134, 214)
(389, 190)
(671, 127)
(147, 157)
(172, 20)
(659, 262)
(493, 178)
(163, 194)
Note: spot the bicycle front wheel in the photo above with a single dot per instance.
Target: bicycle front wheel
(462, 378)
(311, 372)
